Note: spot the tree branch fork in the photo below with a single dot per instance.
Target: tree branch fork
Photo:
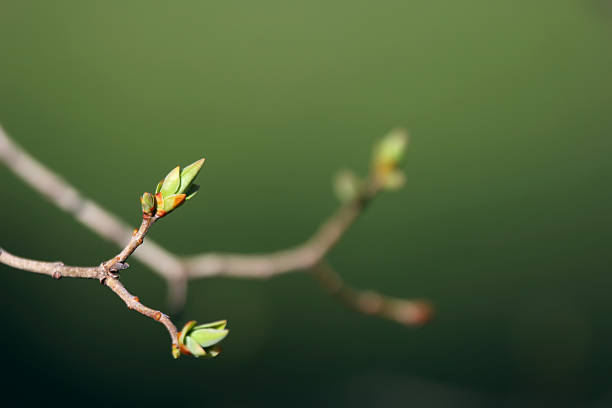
(178, 270)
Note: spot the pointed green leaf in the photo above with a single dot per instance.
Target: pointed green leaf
(185, 330)
(194, 348)
(219, 324)
(171, 182)
(188, 174)
(208, 337)
(192, 191)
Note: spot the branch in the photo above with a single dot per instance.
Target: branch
(178, 270)
(103, 272)
(301, 257)
(402, 311)
(90, 214)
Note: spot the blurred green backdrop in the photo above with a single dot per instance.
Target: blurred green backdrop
(504, 223)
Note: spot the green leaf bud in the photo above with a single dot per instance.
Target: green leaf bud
(148, 204)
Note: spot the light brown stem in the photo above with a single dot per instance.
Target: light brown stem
(133, 303)
(105, 273)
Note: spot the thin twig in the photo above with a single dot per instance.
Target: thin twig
(133, 303)
(105, 273)
(406, 312)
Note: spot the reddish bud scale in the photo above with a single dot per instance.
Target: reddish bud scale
(178, 200)
(159, 200)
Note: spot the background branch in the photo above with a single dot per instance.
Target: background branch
(177, 270)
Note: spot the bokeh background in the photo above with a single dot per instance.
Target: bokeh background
(504, 223)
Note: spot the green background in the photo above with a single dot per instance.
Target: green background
(504, 223)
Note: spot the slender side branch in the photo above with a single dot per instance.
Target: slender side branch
(105, 273)
(133, 303)
(406, 312)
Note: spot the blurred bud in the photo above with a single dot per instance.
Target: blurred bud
(394, 180)
(148, 204)
(388, 155)
(201, 341)
(346, 186)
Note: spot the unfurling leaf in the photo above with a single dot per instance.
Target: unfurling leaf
(189, 174)
(194, 348)
(208, 337)
(219, 324)
(202, 340)
(172, 182)
(186, 329)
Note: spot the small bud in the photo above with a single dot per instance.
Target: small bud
(388, 155)
(390, 150)
(201, 341)
(148, 204)
(176, 352)
(346, 186)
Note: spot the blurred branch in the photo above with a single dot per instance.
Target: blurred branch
(177, 270)
(302, 257)
(402, 311)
